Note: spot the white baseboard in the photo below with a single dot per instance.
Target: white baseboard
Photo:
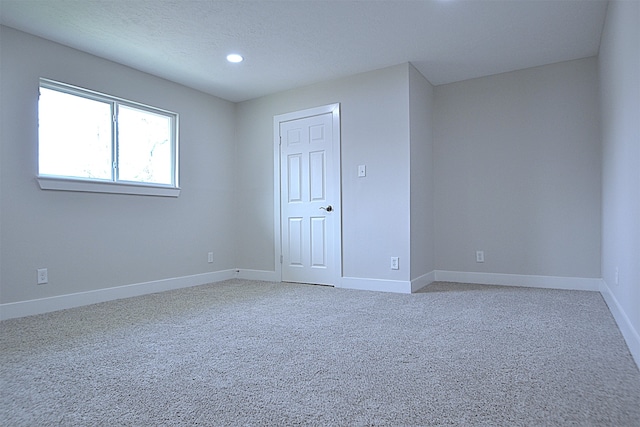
(422, 281)
(630, 334)
(261, 275)
(399, 286)
(61, 302)
(549, 282)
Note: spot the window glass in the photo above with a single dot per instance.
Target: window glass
(144, 149)
(74, 136)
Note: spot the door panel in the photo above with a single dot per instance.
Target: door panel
(294, 245)
(318, 243)
(317, 175)
(294, 163)
(308, 187)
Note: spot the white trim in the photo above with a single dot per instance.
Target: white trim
(334, 109)
(61, 302)
(397, 286)
(630, 334)
(422, 281)
(260, 275)
(277, 214)
(549, 282)
(70, 184)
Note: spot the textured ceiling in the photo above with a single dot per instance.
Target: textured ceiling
(288, 44)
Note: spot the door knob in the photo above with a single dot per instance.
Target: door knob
(328, 208)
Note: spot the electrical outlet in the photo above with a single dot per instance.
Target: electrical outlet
(43, 276)
(479, 256)
(395, 263)
(210, 257)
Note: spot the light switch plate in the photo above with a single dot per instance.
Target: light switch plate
(362, 171)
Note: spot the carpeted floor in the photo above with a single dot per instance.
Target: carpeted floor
(256, 353)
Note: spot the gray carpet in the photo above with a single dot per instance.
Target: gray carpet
(255, 353)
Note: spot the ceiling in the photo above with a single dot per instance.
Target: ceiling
(288, 44)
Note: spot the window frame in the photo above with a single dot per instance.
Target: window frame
(112, 185)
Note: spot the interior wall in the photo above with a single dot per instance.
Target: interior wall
(619, 65)
(512, 168)
(517, 172)
(421, 166)
(375, 209)
(91, 241)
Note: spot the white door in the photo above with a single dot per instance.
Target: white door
(310, 198)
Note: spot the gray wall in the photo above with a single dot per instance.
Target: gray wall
(90, 241)
(619, 63)
(517, 172)
(508, 164)
(375, 132)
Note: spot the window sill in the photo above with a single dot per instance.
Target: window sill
(70, 184)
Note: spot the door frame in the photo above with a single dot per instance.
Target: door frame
(334, 109)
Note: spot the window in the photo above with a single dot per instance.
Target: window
(89, 141)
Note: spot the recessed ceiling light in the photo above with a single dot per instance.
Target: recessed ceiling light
(234, 57)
